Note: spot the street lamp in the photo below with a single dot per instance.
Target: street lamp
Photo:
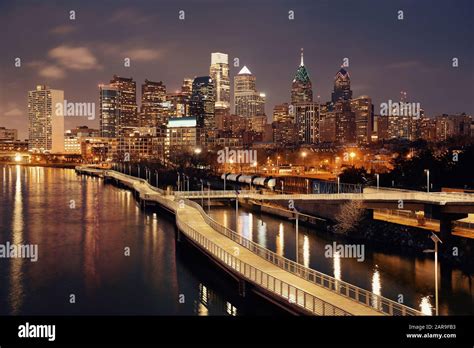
(156, 177)
(338, 184)
(378, 181)
(435, 239)
(197, 150)
(352, 156)
(208, 197)
(202, 193)
(179, 181)
(304, 154)
(307, 186)
(254, 164)
(427, 171)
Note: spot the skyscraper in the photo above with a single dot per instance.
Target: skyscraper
(109, 110)
(345, 122)
(301, 88)
(45, 125)
(128, 116)
(364, 118)
(247, 101)
(187, 86)
(152, 111)
(219, 72)
(342, 86)
(202, 102)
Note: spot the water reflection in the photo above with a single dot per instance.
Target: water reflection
(280, 240)
(262, 233)
(425, 306)
(306, 251)
(376, 288)
(16, 274)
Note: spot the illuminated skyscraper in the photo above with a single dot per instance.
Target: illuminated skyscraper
(342, 86)
(152, 113)
(45, 125)
(364, 118)
(109, 110)
(128, 115)
(247, 101)
(219, 73)
(202, 102)
(301, 88)
(187, 86)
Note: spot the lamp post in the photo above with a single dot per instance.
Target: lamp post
(156, 177)
(208, 196)
(338, 184)
(202, 193)
(236, 209)
(352, 156)
(303, 154)
(436, 240)
(378, 181)
(427, 171)
(307, 186)
(138, 170)
(179, 181)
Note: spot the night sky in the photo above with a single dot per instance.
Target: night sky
(386, 55)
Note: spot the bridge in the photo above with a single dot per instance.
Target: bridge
(443, 206)
(288, 284)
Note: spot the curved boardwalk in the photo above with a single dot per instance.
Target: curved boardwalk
(289, 284)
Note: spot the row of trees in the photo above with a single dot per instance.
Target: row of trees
(451, 167)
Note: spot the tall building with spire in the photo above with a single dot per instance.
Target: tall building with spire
(247, 101)
(219, 72)
(301, 88)
(342, 86)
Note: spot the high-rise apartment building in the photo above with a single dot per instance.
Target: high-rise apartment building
(45, 125)
(307, 122)
(219, 72)
(452, 125)
(345, 122)
(247, 101)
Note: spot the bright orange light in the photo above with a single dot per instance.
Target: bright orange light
(18, 157)
(352, 154)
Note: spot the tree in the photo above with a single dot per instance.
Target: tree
(349, 217)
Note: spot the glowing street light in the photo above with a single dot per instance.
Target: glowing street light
(436, 240)
(352, 156)
(197, 150)
(18, 157)
(304, 154)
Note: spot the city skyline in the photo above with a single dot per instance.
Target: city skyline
(72, 62)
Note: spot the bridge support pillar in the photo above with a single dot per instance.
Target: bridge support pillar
(242, 287)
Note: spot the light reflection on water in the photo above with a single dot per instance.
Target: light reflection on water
(81, 250)
(387, 274)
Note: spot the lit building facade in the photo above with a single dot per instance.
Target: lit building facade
(219, 73)
(152, 111)
(247, 101)
(45, 126)
(109, 110)
(8, 134)
(127, 103)
(363, 110)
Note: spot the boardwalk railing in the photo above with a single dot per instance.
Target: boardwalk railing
(290, 292)
(364, 297)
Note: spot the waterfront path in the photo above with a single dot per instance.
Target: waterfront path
(292, 285)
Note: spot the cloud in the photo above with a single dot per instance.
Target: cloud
(143, 54)
(75, 58)
(52, 71)
(14, 112)
(62, 29)
(404, 65)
